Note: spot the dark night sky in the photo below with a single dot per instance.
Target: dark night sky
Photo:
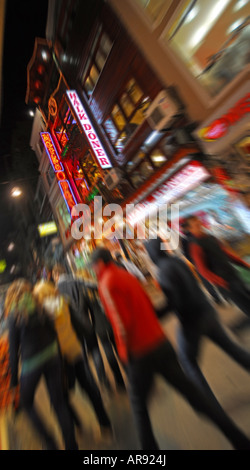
(24, 21)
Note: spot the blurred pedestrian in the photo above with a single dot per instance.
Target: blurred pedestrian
(33, 344)
(214, 261)
(186, 240)
(85, 316)
(55, 306)
(145, 351)
(197, 316)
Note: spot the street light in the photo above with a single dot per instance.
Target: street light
(16, 192)
(11, 246)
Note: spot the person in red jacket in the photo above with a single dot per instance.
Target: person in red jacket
(214, 261)
(145, 351)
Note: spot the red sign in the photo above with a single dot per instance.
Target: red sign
(223, 178)
(220, 126)
(67, 194)
(51, 152)
(184, 180)
(59, 170)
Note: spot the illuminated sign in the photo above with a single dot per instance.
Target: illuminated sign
(47, 229)
(58, 168)
(219, 127)
(3, 265)
(183, 181)
(89, 130)
(52, 152)
(67, 194)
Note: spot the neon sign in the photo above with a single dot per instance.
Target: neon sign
(180, 183)
(67, 194)
(51, 152)
(89, 130)
(58, 168)
(220, 126)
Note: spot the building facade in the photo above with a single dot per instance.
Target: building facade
(123, 113)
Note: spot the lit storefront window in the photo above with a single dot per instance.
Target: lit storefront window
(154, 8)
(91, 172)
(212, 38)
(149, 158)
(126, 115)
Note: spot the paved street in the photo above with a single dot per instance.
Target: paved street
(177, 425)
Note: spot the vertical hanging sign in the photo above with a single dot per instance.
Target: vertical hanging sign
(58, 168)
(89, 130)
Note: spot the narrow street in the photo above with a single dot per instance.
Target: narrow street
(177, 426)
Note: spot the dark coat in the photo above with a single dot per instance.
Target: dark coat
(184, 294)
(29, 339)
(87, 316)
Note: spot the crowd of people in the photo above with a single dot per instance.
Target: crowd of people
(55, 326)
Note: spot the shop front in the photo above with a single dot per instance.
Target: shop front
(225, 139)
(156, 207)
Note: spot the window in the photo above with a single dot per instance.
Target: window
(154, 8)
(149, 158)
(212, 38)
(97, 58)
(126, 115)
(158, 158)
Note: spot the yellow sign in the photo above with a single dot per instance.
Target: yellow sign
(3, 265)
(47, 229)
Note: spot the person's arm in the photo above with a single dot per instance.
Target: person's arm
(119, 319)
(200, 263)
(234, 256)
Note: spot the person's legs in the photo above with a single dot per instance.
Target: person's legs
(140, 380)
(53, 377)
(69, 384)
(189, 340)
(28, 386)
(239, 294)
(112, 360)
(211, 290)
(218, 334)
(167, 364)
(88, 384)
(94, 351)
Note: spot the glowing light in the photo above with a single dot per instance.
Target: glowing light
(211, 18)
(58, 168)
(3, 265)
(240, 4)
(234, 26)
(192, 14)
(44, 55)
(16, 192)
(47, 229)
